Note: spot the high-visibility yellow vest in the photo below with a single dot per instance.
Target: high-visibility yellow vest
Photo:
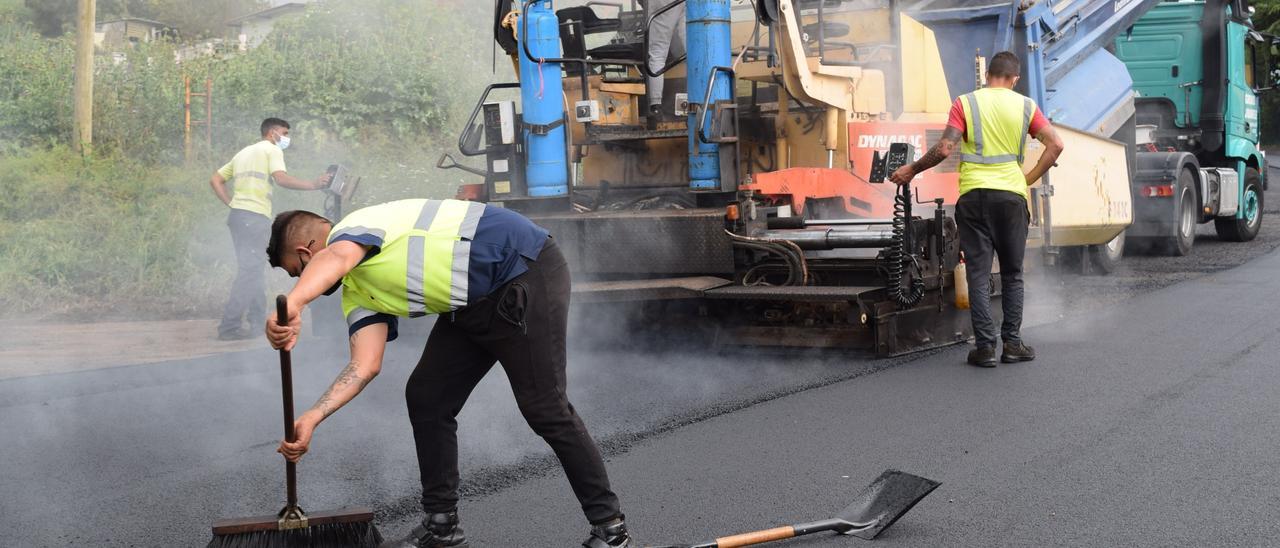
(251, 169)
(422, 264)
(996, 123)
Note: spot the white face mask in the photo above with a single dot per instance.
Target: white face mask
(283, 142)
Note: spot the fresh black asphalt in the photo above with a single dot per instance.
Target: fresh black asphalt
(1151, 424)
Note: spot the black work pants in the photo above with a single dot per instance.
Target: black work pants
(249, 234)
(521, 325)
(993, 223)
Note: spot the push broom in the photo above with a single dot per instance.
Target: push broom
(291, 527)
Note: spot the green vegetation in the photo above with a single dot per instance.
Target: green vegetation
(81, 235)
(378, 85)
(193, 19)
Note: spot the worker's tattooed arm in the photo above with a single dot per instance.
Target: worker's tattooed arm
(940, 151)
(367, 346)
(349, 380)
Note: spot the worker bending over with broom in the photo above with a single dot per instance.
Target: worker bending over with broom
(501, 287)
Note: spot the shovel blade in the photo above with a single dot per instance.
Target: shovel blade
(884, 501)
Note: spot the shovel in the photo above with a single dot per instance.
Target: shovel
(879, 505)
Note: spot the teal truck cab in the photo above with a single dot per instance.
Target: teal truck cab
(1198, 69)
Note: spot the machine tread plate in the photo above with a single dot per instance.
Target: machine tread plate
(643, 244)
(690, 287)
(790, 293)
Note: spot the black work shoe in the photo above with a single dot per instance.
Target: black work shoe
(983, 356)
(1015, 352)
(436, 531)
(608, 535)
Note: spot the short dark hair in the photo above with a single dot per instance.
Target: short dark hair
(272, 123)
(1004, 65)
(284, 229)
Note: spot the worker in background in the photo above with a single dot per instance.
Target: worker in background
(253, 169)
(666, 43)
(990, 126)
(501, 287)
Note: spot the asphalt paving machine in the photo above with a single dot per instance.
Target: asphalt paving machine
(750, 206)
(656, 209)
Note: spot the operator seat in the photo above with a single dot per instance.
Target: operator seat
(577, 22)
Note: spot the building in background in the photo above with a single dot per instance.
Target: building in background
(250, 30)
(119, 33)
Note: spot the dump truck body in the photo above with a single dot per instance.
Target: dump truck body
(1198, 68)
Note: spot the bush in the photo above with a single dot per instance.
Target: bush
(89, 236)
(35, 87)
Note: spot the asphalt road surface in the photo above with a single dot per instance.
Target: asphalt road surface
(1147, 420)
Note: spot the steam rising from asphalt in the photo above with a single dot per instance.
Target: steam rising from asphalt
(152, 454)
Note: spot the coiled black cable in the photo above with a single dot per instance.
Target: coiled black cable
(900, 256)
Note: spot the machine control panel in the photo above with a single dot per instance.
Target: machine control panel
(338, 179)
(900, 154)
(500, 123)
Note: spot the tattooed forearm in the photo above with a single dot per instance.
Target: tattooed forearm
(939, 151)
(346, 386)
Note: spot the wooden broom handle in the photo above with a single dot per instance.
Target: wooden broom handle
(286, 388)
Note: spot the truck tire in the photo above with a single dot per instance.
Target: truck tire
(1244, 229)
(1106, 257)
(1187, 209)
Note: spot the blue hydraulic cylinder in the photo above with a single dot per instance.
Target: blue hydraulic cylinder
(707, 30)
(546, 170)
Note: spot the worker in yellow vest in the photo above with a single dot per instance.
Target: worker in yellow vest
(501, 288)
(991, 125)
(252, 170)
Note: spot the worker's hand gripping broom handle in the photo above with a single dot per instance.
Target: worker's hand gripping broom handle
(286, 388)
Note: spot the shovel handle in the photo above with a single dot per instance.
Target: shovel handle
(286, 388)
(756, 537)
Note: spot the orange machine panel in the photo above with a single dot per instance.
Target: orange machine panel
(866, 138)
(857, 194)
(798, 185)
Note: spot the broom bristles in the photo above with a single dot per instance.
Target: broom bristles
(333, 535)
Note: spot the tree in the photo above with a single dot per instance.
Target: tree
(199, 19)
(51, 17)
(193, 18)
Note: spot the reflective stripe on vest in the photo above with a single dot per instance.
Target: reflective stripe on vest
(252, 192)
(423, 264)
(979, 153)
(438, 268)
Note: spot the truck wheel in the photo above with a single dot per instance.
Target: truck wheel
(1246, 228)
(1179, 243)
(1106, 257)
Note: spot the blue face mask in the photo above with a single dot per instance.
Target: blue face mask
(283, 142)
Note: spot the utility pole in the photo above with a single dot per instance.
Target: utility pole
(85, 19)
